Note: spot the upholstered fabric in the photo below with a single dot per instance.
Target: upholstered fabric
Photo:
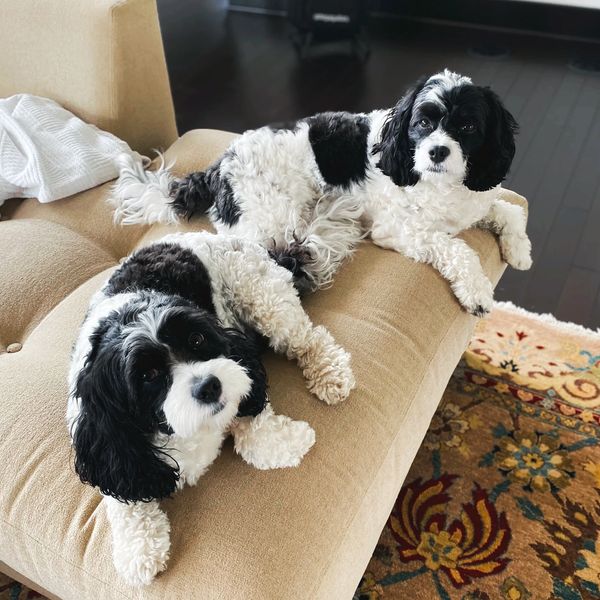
(241, 534)
(102, 59)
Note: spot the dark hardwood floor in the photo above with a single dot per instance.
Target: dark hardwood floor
(236, 71)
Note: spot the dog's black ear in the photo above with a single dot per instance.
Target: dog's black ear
(489, 165)
(396, 150)
(246, 349)
(114, 450)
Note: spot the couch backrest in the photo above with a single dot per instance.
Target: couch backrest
(101, 59)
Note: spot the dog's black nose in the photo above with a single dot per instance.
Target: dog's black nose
(438, 154)
(207, 390)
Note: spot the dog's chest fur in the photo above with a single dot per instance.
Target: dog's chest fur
(424, 206)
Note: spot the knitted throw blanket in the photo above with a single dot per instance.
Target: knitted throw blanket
(48, 153)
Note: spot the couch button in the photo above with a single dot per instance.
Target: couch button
(15, 347)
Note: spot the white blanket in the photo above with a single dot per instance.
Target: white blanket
(47, 153)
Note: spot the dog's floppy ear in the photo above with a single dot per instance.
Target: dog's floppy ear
(113, 450)
(246, 349)
(396, 150)
(490, 164)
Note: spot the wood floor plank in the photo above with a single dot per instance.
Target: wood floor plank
(551, 268)
(579, 294)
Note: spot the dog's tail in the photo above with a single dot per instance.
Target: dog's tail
(142, 196)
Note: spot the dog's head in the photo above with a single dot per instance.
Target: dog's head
(157, 364)
(447, 130)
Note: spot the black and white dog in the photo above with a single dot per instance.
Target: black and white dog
(412, 177)
(167, 363)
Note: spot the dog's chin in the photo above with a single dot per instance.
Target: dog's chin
(439, 174)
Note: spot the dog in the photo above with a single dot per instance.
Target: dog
(167, 363)
(411, 177)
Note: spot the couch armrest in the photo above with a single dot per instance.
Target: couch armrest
(101, 59)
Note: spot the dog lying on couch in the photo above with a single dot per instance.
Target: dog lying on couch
(411, 177)
(167, 363)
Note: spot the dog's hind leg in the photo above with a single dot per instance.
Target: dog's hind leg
(264, 298)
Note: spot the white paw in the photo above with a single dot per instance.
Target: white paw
(137, 569)
(326, 367)
(475, 295)
(140, 540)
(332, 379)
(516, 251)
(270, 441)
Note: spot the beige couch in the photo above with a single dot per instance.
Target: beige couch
(241, 534)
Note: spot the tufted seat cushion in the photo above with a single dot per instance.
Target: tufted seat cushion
(241, 534)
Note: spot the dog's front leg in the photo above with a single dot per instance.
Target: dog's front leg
(508, 221)
(452, 257)
(266, 300)
(140, 539)
(271, 441)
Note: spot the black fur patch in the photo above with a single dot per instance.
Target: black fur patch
(225, 207)
(191, 195)
(396, 149)
(294, 258)
(197, 192)
(166, 268)
(246, 349)
(113, 439)
(339, 142)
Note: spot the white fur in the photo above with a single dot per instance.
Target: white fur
(282, 197)
(140, 539)
(271, 441)
(146, 192)
(453, 168)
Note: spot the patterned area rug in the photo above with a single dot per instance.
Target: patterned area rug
(503, 499)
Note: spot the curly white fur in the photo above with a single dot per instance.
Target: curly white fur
(146, 192)
(140, 539)
(271, 441)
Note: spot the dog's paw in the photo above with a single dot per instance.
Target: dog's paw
(516, 251)
(270, 441)
(327, 369)
(140, 540)
(334, 384)
(138, 570)
(476, 295)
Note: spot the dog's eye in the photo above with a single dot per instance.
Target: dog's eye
(195, 340)
(424, 123)
(468, 127)
(150, 375)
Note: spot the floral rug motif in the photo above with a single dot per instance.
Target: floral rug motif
(503, 499)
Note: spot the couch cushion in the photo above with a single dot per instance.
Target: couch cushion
(304, 533)
(41, 262)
